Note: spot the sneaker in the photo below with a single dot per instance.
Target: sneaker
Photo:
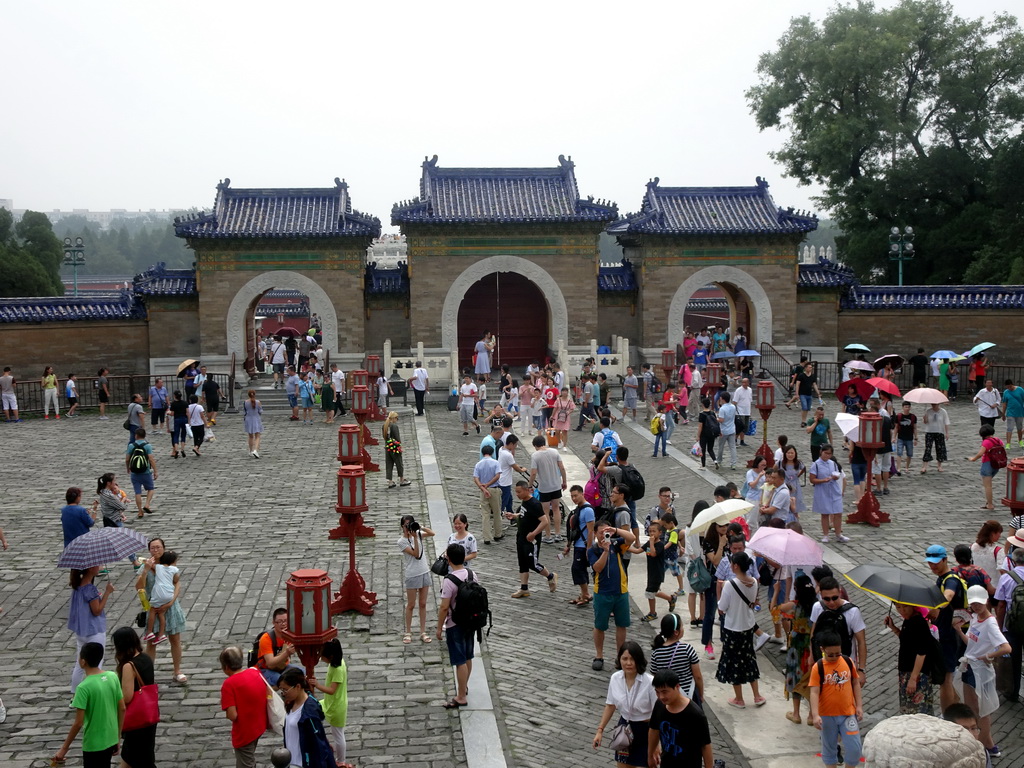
(761, 642)
(885, 491)
(709, 651)
(777, 640)
(649, 618)
(521, 593)
(1022, 443)
(842, 539)
(148, 637)
(825, 539)
(598, 665)
(3, 711)
(548, 539)
(553, 582)
(160, 639)
(785, 646)
(994, 751)
(255, 454)
(46, 417)
(104, 418)
(672, 604)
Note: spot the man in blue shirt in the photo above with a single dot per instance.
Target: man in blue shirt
(727, 420)
(1013, 411)
(142, 473)
(584, 521)
(611, 589)
(493, 440)
(291, 388)
(74, 518)
(485, 475)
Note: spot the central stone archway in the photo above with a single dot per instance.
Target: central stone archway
(248, 293)
(536, 274)
(760, 306)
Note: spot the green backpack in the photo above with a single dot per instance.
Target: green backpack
(138, 461)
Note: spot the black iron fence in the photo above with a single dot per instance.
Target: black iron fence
(776, 364)
(121, 389)
(830, 376)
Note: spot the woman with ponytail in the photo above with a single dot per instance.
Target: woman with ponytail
(252, 410)
(670, 652)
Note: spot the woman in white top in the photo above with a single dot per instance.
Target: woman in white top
(755, 483)
(986, 551)
(631, 692)
(196, 415)
(417, 575)
(462, 536)
(738, 662)
(985, 644)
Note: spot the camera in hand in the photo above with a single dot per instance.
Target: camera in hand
(413, 526)
(611, 537)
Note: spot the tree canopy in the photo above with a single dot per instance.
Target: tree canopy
(30, 256)
(907, 116)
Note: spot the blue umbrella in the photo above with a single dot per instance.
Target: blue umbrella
(748, 353)
(722, 355)
(977, 349)
(943, 354)
(856, 348)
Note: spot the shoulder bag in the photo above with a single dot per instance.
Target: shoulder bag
(144, 708)
(622, 734)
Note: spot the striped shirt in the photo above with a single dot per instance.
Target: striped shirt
(680, 657)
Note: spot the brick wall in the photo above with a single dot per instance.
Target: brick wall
(387, 323)
(81, 347)
(903, 331)
(616, 321)
(817, 319)
(173, 326)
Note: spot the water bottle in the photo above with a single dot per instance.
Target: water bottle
(144, 600)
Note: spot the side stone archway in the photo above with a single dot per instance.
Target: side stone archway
(319, 300)
(536, 274)
(760, 306)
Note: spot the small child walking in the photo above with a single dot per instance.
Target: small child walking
(654, 548)
(166, 577)
(836, 706)
(335, 690)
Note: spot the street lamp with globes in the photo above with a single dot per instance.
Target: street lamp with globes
(901, 247)
(74, 254)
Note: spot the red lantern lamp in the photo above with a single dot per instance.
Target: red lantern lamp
(348, 443)
(713, 375)
(869, 441)
(360, 379)
(361, 398)
(870, 432)
(309, 615)
(1015, 485)
(373, 365)
(352, 489)
(765, 396)
(668, 359)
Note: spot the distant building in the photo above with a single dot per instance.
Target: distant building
(103, 219)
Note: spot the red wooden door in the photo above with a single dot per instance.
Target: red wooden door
(511, 307)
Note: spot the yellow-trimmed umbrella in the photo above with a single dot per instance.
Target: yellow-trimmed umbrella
(185, 364)
(720, 513)
(897, 585)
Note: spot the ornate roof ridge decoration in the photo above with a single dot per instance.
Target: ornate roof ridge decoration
(387, 280)
(285, 212)
(934, 297)
(616, 277)
(825, 274)
(712, 210)
(158, 280)
(119, 305)
(501, 195)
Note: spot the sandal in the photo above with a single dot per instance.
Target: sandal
(453, 704)
(180, 678)
(425, 638)
(736, 703)
(793, 718)
(407, 638)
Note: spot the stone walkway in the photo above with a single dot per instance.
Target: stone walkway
(241, 526)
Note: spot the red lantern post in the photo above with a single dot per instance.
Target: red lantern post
(765, 401)
(309, 615)
(712, 381)
(870, 440)
(668, 363)
(361, 408)
(1014, 498)
(353, 595)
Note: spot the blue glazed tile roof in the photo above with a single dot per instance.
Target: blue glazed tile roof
(110, 306)
(501, 195)
(160, 281)
(300, 309)
(825, 274)
(707, 305)
(379, 280)
(279, 213)
(712, 210)
(935, 297)
(616, 277)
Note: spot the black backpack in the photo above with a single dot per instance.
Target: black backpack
(471, 612)
(833, 621)
(138, 461)
(631, 476)
(821, 670)
(254, 655)
(573, 531)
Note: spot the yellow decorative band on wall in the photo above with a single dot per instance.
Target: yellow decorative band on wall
(228, 261)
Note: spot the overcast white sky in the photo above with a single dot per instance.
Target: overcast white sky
(147, 105)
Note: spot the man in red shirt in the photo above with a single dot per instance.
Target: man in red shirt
(243, 697)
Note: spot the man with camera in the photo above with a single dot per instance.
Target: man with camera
(533, 524)
(611, 589)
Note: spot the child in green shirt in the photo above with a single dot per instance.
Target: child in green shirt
(335, 690)
(99, 710)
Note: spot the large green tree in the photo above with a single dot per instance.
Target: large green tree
(906, 116)
(30, 256)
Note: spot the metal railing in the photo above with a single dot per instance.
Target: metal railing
(776, 364)
(121, 388)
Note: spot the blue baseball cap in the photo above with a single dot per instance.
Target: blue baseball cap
(936, 553)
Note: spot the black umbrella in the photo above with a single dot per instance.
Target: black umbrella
(897, 585)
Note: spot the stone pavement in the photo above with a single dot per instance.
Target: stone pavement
(242, 525)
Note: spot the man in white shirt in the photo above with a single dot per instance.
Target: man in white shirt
(743, 398)
(420, 384)
(506, 464)
(850, 627)
(278, 357)
(988, 400)
(338, 385)
(468, 395)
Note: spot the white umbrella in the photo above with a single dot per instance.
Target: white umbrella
(925, 395)
(722, 512)
(849, 425)
(860, 365)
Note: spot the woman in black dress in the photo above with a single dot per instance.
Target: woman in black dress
(138, 747)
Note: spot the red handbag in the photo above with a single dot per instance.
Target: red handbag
(144, 708)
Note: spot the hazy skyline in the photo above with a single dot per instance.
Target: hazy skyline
(139, 106)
